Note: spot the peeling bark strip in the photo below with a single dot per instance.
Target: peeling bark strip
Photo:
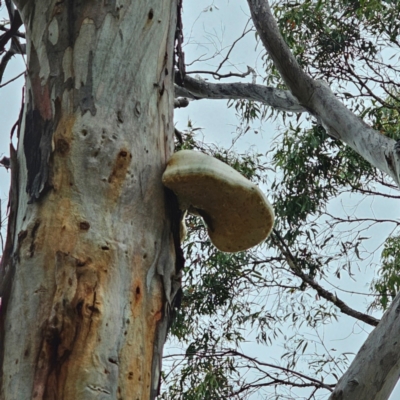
(51, 77)
(92, 240)
(37, 147)
(8, 262)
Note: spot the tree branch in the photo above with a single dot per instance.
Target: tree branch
(259, 365)
(12, 79)
(10, 9)
(15, 48)
(18, 34)
(16, 23)
(218, 75)
(372, 192)
(317, 97)
(286, 370)
(277, 98)
(343, 307)
(374, 372)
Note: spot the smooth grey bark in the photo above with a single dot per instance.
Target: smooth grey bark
(90, 268)
(375, 370)
(198, 89)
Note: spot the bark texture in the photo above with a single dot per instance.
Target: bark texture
(374, 372)
(90, 271)
(277, 98)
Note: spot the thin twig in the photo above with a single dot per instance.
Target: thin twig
(13, 79)
(343, 307)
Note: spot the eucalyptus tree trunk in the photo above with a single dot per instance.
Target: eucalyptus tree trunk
(89, 269)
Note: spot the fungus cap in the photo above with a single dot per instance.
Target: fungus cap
(237, 214)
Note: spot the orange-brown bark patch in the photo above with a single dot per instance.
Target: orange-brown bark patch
(77, 306)
(62, 140)
(80, 317)
(62, 146)
(158, 315)
(136, 356)
(118, 173)
(58, 229)
(137, 298)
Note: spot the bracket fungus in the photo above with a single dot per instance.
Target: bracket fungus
(237, 214)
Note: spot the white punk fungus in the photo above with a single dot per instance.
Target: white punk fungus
(237, 214)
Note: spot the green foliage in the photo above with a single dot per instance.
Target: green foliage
(386, 119)
(328, 36)
(203, 377)
(251, 165)
(388, 284)
(315, 168)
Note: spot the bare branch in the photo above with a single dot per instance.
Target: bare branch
(259, 366)
(18, 34)
(277, 98)
(16, 23)
(10, 9)
(373, 193)
(244, 33)
(16, 48)
(287, 370)
(349, 220)
(343, 307)
(12, 80)
(218, 75)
